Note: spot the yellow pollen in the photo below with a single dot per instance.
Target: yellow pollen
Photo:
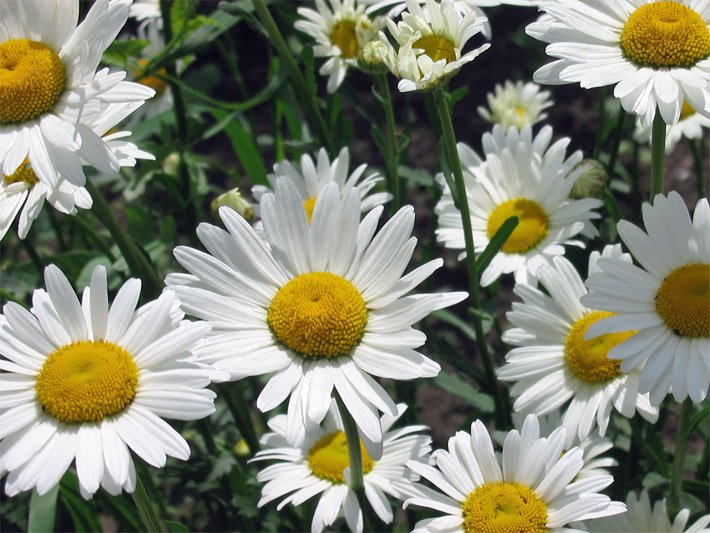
(683, 300)
(531, 229)
(318, 314)
(23, 174)
(437, 48)
(665, 34)
(588, 360)
(154, 81)
(503, 507)
(87, 381)
(309, 205)
(329, 457)
(344, 37)
(686, 111)
(31, 80)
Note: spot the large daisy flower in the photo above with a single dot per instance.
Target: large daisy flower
(516, 104)
(320, 466)
(89, 381)
(430, 40)
(666, 300)
(525, 177)
(656, 53)
(553, 364)
(49, 87)
(323, 305)
(531, 487)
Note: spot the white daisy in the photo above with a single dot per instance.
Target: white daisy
(92, 381)
(667, 300)
(656, 53)
(49, 87)
(430, 41)
(525, 177)
(516, 104)
(341, 29)
(640, 517)
(321, 305)
(147, 13)
(321, 466)
(531, 487)
(691, 125)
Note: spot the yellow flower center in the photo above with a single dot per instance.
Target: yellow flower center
(686, 111)
(344, 37)
(329, 457)
(318, 314)
(437, 48)
(87, 381)
(154, 81)
(23, 174)
(531, 229)
(504, 508)
(665, 34)
(683, 300)
(588, 360)
(31, 80)
(309, 205)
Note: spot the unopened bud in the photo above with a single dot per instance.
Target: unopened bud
(171, 164)
(372, 57)
(234, 200)
(591, 179)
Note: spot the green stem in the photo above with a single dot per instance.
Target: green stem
(600, 122)
(681, 446)
(239, 409)
(441, 102)
(658, 155)
(150, 519)
(89, 232)
(391, 156)
(33, 254)
(697, 147)
(616, 142)
(137, 262)
(299, 81)
(353, 440)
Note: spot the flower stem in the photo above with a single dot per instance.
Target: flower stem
(234, 397)
(681, 446)
(441, 101)
(600, 121)
(391, 156)
(150, 519)
(658, 154)
(616, 142)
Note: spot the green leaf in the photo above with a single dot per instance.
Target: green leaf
(496, 243)
(43, 509)
(455, 385)
(696, 420)
(180, 13)
(244, 148)
(176, 527)
(119, 52)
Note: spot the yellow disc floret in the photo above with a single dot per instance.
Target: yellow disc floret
(588, 359)
(23, 174)
(318, 314)
(87, 381)
(154, 81)
(344, 37)
(665, 34)
(309, 205)
(31, 80)
(504, 507)
(683, 300)
(329, 457)
(531, 229)
(437, 48)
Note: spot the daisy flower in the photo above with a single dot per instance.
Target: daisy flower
(641, 517)
(49, 87)
(516, 104)
(666, 300)
(691, 125)
(430, 40)
(86, 381)
(655, 53)
(525, 177)
(322, 305)
(341, 29)
(553, 365)
(531, 487)
(147, 14)
(321, 466)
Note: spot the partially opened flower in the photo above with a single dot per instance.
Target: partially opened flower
(666, 300)
(516, 104)
(90, 382)
(320, 465)
(691, 125)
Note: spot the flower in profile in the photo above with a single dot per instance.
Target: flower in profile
(641, 517)
(430, 41)
(656, 54)
(531, 487)
(91, 382)
(341, 28)
(50, 90)
(666, 300)
(691, 125)
(525, 177)
(321, 305)
(516, 104)
(320, 466)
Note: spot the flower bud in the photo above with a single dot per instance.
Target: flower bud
(591, 179)
(234, 200)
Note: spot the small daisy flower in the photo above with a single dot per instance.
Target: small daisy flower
(321, 305)
(321, 466)
(430, 40)
(525, 177)
(516, 104)
(641, 517)
(690, 125)
(655, 53)
(531, 487)
(90, 382)
(147, 14)
(49, 87)
(666, 300)
(341, 29)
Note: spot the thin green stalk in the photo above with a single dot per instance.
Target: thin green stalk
(698, 149)
(616, 142)
(150, 518)
(32, 252)
(88, 231)
(442, 107)
(658, 155)
(391, 156)
(239, 409)
(299, 81)
(137, 262)
(600, 122)
(681, 446)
